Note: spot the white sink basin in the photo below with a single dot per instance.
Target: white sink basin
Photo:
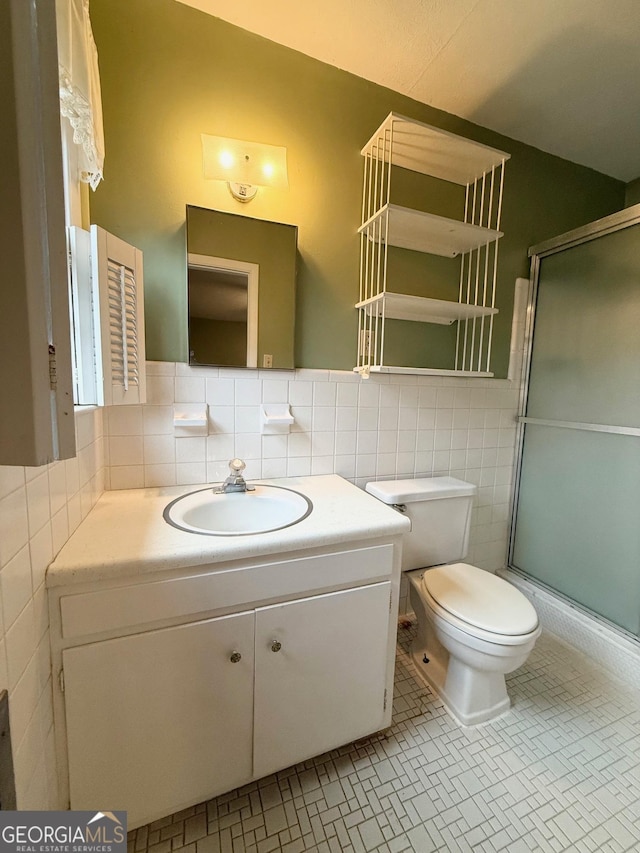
(262, 510)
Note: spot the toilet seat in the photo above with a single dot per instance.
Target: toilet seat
(479, 603)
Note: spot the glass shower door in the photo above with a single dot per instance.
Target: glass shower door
(577, 511)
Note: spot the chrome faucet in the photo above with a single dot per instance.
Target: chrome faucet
(235, 482)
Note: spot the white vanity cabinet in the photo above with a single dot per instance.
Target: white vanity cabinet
(176, 688)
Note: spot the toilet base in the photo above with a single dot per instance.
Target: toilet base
(469, 696)
(466, 670)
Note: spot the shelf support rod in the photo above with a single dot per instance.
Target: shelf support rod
(478, 256)
(468, 297)
(379, 249)
(386, 247)
(363, 247)
(375, 178)
(462, 257)
(486, 267)
(495, 265)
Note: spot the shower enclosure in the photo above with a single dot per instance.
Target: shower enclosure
(576, 514)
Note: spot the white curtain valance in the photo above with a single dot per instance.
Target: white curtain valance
(80, 98)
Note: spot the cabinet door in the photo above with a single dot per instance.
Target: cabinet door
(324, 685)
(160, 720)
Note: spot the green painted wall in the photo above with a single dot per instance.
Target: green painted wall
(632, 194)
(170, 73)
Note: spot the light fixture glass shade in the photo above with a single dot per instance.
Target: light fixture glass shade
(242, 162)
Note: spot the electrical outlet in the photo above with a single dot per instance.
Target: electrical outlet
(267, 360)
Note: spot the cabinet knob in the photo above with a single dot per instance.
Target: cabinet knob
(235, 657)
(275, 646)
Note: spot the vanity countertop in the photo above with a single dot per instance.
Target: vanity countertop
(125, 533)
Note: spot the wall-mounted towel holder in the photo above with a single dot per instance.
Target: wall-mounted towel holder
(275, 418)
(190, 419)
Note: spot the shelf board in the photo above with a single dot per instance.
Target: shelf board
(426, 232)
(432, 151)
(426, 371)
(420, 309)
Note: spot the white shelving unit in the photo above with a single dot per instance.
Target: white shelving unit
(409, 144)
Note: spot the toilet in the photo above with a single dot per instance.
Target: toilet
(472, 627)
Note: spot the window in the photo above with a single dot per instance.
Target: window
(105, 274)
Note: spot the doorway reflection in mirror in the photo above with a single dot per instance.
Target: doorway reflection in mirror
(223, 311)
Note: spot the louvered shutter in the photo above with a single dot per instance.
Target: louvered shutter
(117, 268)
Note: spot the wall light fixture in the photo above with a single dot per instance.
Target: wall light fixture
(244, 165)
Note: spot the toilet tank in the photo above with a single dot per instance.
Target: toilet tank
(440, 512)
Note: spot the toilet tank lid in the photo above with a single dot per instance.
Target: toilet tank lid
(422, 489)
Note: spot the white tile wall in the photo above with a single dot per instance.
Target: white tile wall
(39, 509)
(383, 427)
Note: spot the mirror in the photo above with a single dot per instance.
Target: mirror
(241, 288)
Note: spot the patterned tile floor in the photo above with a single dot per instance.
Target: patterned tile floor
(560, 771)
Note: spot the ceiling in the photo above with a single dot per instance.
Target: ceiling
(562, 75)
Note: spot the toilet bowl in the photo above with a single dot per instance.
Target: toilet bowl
(473, 628)
(464, 655)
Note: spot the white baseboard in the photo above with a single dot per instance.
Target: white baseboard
(601, 642)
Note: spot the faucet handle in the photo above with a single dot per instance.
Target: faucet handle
(236, 466)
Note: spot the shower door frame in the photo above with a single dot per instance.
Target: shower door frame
(625, 218)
